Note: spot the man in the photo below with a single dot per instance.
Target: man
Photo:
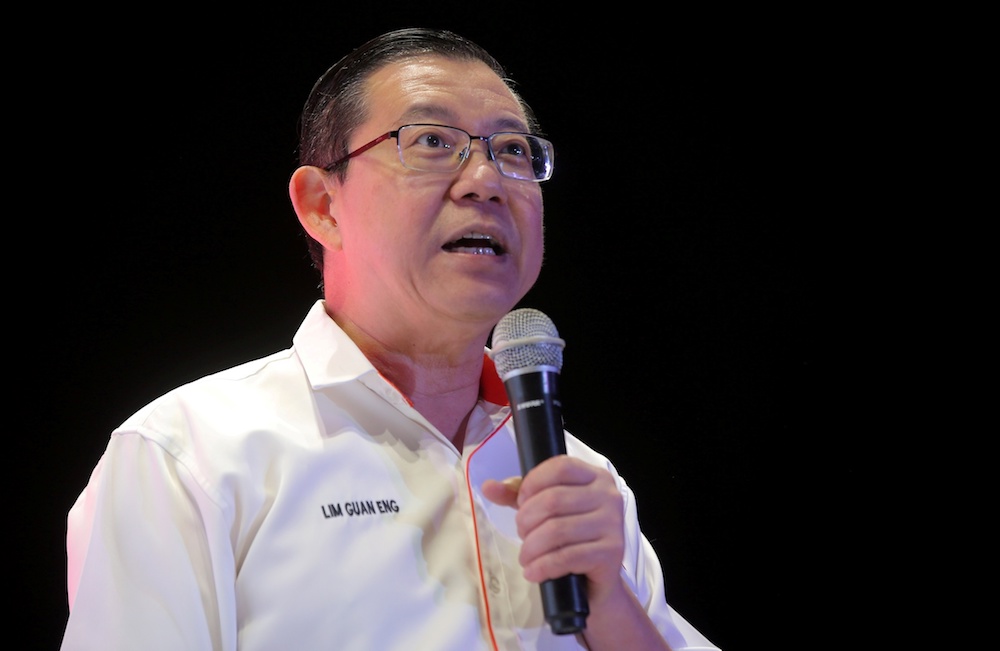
(360, 490)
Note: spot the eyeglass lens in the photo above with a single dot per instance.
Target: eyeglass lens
(434, 148)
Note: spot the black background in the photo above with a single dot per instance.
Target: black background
(683, 238)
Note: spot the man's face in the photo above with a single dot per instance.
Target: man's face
(399, 227)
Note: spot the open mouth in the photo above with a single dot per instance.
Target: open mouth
(475, 244)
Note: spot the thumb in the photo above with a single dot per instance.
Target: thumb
(502, 492)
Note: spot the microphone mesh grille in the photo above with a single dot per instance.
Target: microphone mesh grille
(525, 323)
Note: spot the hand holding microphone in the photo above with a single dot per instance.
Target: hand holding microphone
(527, 352)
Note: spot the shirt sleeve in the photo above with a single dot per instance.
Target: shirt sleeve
(149, 564)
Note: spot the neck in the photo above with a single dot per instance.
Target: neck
(442, 383)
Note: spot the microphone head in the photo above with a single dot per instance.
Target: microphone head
(523, 339)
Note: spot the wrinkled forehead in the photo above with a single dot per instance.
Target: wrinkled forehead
(434, 88)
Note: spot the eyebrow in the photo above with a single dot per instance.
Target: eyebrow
(448, 117)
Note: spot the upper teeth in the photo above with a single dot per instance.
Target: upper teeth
(487, 240)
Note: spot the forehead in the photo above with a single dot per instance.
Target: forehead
(461, 93)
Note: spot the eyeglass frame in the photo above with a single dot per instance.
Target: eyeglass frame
(464, 155)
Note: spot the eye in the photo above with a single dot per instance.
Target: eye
(515, 148)
(431, 140)
(431, 137)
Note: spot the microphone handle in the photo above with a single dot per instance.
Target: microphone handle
(538, 427)
(564, 601)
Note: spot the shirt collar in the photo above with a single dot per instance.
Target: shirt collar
(330, 357)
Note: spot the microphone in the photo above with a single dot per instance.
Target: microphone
(527, 353)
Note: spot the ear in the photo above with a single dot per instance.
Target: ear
(311, 191)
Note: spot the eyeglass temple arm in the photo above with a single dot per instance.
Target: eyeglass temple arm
(362, 149)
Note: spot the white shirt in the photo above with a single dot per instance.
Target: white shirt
(300, 502)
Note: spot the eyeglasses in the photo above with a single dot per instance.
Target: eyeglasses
(436, 148)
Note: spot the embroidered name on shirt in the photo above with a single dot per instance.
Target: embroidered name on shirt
(363, 507)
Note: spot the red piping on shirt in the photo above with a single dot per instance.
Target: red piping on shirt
(491, 389)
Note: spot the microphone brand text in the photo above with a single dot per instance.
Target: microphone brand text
(530, 404)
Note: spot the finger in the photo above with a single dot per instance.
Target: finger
(554, 503)
(559, 533)
(557, 470)
(568, 499)
(598, 557)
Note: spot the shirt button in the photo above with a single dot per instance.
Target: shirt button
(494, 584)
